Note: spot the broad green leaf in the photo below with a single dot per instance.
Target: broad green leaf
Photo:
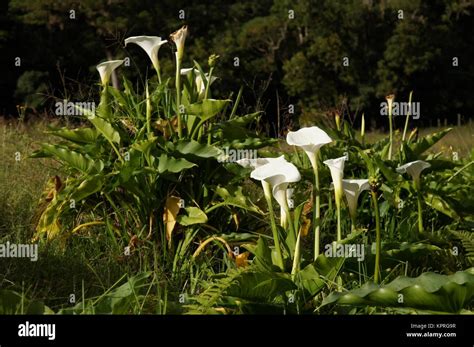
(439, 204)
(195, 148)
(194, 216)
(104, 127)
(170, 164)
(233, 196)
(74, 159)
(207, 108)
(426, 142)
(88, 186)
(79, 135)
(260, 286)
(429, 291)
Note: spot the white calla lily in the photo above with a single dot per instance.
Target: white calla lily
(337, 173)
(352, 189)
(178, 37)
(279, 174)
(310, 139)
(151, 45)
(106, 69)
(414, 169)
(336, 166)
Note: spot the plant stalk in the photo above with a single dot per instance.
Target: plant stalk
(178, 94)
(276, 240)
(377, 237)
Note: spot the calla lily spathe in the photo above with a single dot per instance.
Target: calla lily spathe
(150, 44)
(336, 166)
(279, 174)
(337, 173)
(200, 85)
(352, 189)
(106, 69)
(414, 169)
(179, 37)
(310, 139)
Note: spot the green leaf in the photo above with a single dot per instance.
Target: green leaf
(170, 164)
(426, 142)
(439, 204)
(206, 108)
(314, 277)
(74, 159)
(429, 291)
(233, 196)
(79, 135)
(260, 286)
(194, 216)
(105, 128)
(191, 147)
(88, 186)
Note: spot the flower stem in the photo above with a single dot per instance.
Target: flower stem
(420, 213)
(317, 208)
(148, 110)
(208, 82)
(276, 240)
(407, 119)
(390, 125)
(377, 237)
(178, 94)
(338, 210)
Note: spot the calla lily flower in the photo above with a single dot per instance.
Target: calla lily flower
(200, 86)
(151, 45)
(179, 37)
(337, 173)
(414, 169)
(279, 174)
(310, 140)
(352, 189)
(106, 69)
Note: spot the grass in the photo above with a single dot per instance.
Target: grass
(90, 258)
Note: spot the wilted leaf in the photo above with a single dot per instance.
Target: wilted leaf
(170, 213)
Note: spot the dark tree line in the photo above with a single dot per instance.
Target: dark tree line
(320, 56)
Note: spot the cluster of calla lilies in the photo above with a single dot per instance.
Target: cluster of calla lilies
(275, 175)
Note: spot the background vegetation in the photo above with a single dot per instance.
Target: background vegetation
(282, 60)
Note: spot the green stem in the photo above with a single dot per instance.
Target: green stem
(148, 110)
(208, 82)
(158, 71)
(317, 208)
(377, 237)
(276, 240)
(178, 94)
(407, 119)
(390, 124)
(338, 209)
(420, 213)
